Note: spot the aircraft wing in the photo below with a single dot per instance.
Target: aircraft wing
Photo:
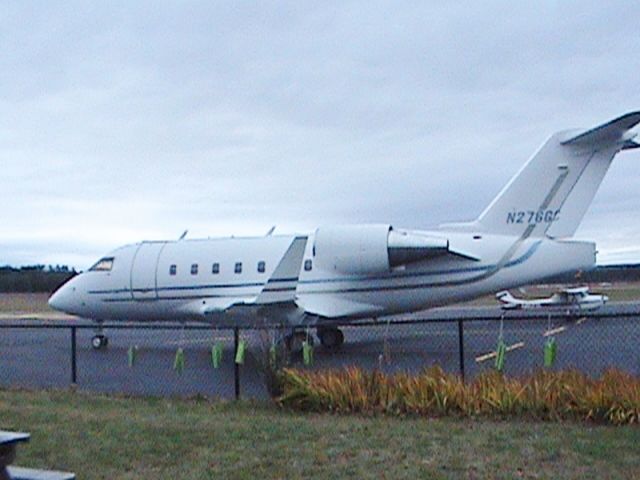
(508, 301)
(278, 293)
(577, 290)
(281, 287)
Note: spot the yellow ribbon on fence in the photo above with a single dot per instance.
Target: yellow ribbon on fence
(501, 350)
(216, 355)
(178, 362)
(242, 350)
(550, 349)
(307, 353)
(131, 355)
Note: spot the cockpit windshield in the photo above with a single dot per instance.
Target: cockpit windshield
(103, 265)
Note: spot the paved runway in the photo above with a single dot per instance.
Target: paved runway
(36, 358)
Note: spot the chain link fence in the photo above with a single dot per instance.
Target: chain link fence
(144, 359)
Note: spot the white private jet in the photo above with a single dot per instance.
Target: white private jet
(348, 272)
(572, 301)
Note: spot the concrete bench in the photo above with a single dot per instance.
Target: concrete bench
(20, 473)
(8, 445)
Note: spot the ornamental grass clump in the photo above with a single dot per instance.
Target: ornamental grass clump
(613, 398)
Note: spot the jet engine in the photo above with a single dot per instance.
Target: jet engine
(372, 249)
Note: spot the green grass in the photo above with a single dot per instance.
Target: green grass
(108, 437)
(24, 303)
(623, 292)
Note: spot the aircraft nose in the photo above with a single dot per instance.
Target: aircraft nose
(59, 300)
(64, 299)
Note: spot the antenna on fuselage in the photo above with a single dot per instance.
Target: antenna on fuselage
(184, 234)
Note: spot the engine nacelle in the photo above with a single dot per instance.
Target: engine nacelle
(372, 249)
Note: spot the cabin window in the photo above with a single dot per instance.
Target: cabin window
(103, 265)
(238, 267)
(261, 267)
(173, 269)
(194, 269)
(215, 268)
(308, 265)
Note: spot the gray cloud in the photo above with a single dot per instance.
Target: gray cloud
(127, 121)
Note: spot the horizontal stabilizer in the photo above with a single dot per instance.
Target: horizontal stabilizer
(608, 133)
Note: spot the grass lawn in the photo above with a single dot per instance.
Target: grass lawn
(24, 303)
(109, 437)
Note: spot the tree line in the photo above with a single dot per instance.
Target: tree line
(47, 278)
(34, 278)
(602, 274)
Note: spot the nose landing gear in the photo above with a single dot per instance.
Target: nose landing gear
(99, 342)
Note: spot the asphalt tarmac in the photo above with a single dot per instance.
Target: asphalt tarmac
(41, 357)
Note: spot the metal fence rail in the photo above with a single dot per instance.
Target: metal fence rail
(36, 354)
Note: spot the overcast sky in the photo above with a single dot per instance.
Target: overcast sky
(123, 121)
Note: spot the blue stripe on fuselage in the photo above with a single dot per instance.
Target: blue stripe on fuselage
(484, 269)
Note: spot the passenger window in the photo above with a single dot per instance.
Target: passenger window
(215, 268)
(103, 265)
(194, 269)
(172, 270)
(261, 267)
(238, 267)
(308, 265)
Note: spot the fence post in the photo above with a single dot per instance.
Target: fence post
(236, 366)
(73, 356)
(461, 347)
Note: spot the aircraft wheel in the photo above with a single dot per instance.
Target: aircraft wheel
(99, 342)
(331, 338)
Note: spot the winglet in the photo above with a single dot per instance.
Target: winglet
(281, 287)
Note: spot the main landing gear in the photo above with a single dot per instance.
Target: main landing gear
(330, 337)
(294, 341)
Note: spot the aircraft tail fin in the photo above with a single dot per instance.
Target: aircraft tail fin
(552, 191)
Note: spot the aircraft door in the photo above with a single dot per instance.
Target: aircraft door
(144, 270)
